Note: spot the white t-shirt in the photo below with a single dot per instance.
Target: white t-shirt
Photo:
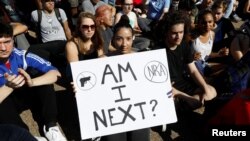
(204, 48)
(51, 29)
(132, 18)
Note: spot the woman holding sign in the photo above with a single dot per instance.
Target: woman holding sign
(85, 44)
(122, 42)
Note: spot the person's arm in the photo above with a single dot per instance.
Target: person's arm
(18, 28)
(136, 23)
(229, 9)
(221, 53)
(5, 92)
(65, 24)
(247, 7)
(17, 81)
(67, 30)
(47, 78)
(235, 49)
(117, 18)
(165, 9)
(196, 75)
(39, 4)
(209, 91)
(71, 52)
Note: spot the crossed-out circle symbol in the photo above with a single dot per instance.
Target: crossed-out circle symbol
(86, 80)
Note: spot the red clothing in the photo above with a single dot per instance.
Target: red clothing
(136, 2)
(235, 112)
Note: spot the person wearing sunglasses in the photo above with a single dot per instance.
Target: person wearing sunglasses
(86, 42)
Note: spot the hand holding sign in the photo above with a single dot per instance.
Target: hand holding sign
(126, 93)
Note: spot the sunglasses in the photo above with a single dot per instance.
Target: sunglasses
(86, 27)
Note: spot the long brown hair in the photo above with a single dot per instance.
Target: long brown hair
(97, 39)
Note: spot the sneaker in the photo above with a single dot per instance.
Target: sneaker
(40, 138)
(96, 139)
(54, 134)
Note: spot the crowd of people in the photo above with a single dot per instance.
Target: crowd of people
(208, 57)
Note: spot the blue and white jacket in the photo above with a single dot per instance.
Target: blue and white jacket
(22, 59)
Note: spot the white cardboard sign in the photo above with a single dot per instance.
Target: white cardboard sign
(123, 93)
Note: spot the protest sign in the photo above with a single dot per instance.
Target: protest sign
(123, 93)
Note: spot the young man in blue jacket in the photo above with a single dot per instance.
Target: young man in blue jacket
(19, 90)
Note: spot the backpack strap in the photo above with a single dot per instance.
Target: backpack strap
(38, 26)
(39, 15)
(58, 16)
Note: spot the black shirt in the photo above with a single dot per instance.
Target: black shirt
(178, 60)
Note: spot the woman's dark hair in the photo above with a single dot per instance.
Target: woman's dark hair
(198, 29)
(202, 13)
(123, 23)
(6, 30)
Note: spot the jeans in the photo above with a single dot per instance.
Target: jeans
(41, 100)
(9, 132)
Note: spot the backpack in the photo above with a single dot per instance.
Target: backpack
(38, 26)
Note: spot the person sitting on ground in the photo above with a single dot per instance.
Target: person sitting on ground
(19, 29)
(50, 27)
(122, 41)
(202, 44)
(140, 42)
(189, 88)
(155, 11)
(20, 89)
(87, 42)
(224, 32)
(187, 81)
(52, 32)
(104, 21)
